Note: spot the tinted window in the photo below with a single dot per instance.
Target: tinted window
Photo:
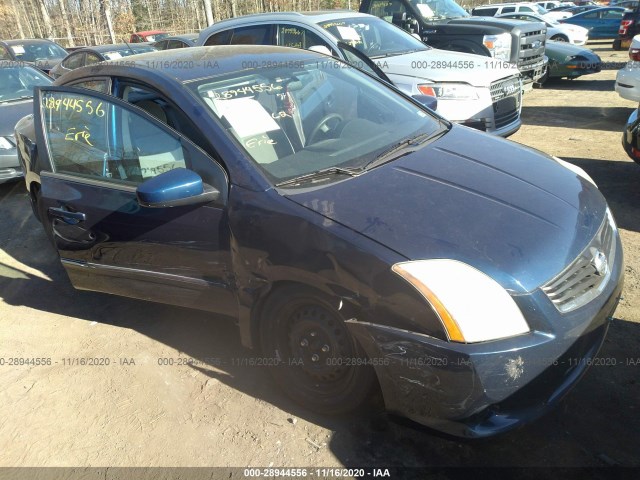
(4, 53)
(386, 8)
(74, 61)
(525, 9)
(161, 45)
(615, 14)
(484, 12)
(508, 9)
(591, 15)
(175, 44)
(220, 38)
(254, 35)
(89, 137)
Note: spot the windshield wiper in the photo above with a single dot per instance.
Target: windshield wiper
(402, 148)
(353, 172)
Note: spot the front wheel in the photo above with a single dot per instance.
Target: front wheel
(319, 364)
(559, 38)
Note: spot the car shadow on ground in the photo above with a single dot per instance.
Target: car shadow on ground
(619, 182)
(597, 425)
(579, 83)
(610, 119)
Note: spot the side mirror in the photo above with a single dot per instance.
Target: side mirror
(427, 100)
(175, 188)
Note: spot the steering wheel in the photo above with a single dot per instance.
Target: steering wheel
(325, 126)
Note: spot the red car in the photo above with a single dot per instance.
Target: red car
(148, 36)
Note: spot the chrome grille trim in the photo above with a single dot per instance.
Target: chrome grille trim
(584, 279)
(506, 88)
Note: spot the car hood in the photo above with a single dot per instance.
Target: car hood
(510, 211)
(11, 112)
(434, 64)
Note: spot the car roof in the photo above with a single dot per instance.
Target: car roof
(113, 47)
(186, 36)
(506, 4)
(203, 62)
(597, 10)
(313, 17)
(18, 41)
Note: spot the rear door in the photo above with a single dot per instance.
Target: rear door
(100, 149)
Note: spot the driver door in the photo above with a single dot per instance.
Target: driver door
(100, 151)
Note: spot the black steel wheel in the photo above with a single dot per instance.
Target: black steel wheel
(320, 365)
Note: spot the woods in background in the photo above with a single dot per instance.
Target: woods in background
(95, 22)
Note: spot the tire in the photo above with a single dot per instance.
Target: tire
(304, 331)
(617, 45)
(559, 38)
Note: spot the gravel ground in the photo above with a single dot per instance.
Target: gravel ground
(135, 412)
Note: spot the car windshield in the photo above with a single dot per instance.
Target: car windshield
(439, 9)
(373, 37)
(30, 52)
(321, 115)
(16, 83)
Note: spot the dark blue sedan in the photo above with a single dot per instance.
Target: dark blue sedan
(361, 241)
(601, 22)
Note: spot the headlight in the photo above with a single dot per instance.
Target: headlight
(6, 143)
(498, 45)
(449, 91)
(471, 305)
(575, 169)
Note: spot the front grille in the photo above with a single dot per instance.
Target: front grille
(506, 96)
(587, 275)
(531, 48)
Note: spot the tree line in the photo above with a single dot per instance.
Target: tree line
(94, 22)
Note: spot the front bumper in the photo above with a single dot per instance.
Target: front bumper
(479, 390)
(628, 82)
(532, 73)
(10, 168)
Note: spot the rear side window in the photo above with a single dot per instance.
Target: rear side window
(508, 9)
(386, 8)
(613, 14)
(220, 38)
(254, 35)
(74, 61)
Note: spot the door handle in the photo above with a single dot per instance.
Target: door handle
(72, 218)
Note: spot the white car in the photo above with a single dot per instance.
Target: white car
(473, 90)
(560, 32)
(495, 9)
(628, 78)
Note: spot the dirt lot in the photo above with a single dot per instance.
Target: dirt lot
(135, 412)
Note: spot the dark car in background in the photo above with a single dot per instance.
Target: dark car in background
(629, 28)
(17, 82)
(177, 41)
(43, 54)
(570, 61)
(361, 240)
(91, 55)
(631, 137)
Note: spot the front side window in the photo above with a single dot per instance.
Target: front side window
(385, 9)
(98, 85)
(92, 59)
(292, 121)
(439, 9)
(93, 138)
(253, 35)
(373, 37)
(298, 37)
